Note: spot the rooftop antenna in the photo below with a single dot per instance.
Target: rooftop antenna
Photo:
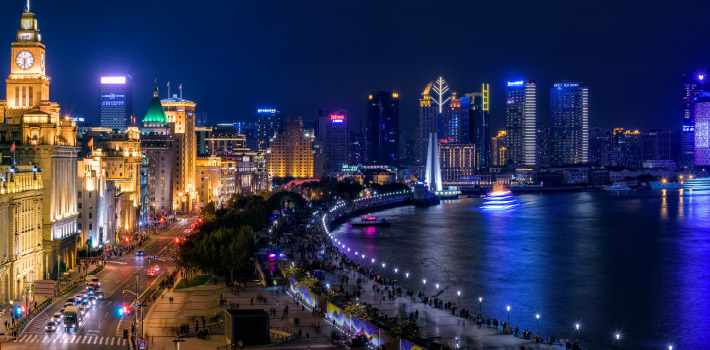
(168, 89)
(27, 8)
(181, 91)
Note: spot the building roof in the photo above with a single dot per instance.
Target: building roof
(155, 113)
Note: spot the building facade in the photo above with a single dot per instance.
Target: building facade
(116, 101)
(569, 123)
(332, 133)
(702, 129)
(157, 145)
(382, 128)
(458, 163)
(521, 119)
(692, 85)
(270, 122)
(180, 114)
(475, 109)
(21, 205)
(31, 125)
(291, 153)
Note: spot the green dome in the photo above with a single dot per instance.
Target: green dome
(156, 113)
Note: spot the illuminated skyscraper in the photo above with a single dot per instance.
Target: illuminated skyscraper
(332, 133)
(474, 120)
(116, 101)
(569, 123)
(180, 114)
(499, 149)
(269, 123)
(291, 152)
(382, 128)
(702, 129)
(693, 84)
(521, 115)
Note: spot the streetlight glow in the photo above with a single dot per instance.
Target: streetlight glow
(507, 308)
(537, 316)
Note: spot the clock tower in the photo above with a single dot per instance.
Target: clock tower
(28, 84)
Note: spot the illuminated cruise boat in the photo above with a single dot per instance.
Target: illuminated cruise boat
(702, 184)
(499, 199)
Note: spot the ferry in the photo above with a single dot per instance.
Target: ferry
(665, 185)
(500, 198)
(701, 184)
(369, 220)
(617, 187)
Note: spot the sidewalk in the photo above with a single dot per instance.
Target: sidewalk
(190, 304)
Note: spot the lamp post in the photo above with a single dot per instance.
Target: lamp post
(458, 294)
(424, 282)
(537, 316)
(507, 308)
(618, 340)
(576, 326)
(178, 341)
(480, 306)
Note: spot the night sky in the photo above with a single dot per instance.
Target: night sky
(299, 56)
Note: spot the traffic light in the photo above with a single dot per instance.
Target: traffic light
(177, 240)
(126, 239)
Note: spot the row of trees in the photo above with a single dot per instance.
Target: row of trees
(225, 242)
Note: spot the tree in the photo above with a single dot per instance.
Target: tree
(208, 213)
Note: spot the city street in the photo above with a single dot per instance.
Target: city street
(102, 326)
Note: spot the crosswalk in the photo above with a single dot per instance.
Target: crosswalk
(71, 339)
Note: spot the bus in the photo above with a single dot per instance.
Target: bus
(72, 318)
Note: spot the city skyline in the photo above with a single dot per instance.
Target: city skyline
(259, 59)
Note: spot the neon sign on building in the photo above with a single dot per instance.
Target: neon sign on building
(337, 118)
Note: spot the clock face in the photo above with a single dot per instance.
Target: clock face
(25, 60)
(27, 24)
(41, 61)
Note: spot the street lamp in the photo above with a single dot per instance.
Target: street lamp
(424, 281)
(178, 341)
(537, 316)
(508, 309)
(395, 270)
(458, 294)
(618, 340)
(406, 275)
(480, 306)
(576, 326)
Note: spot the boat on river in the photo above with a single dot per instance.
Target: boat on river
(370, 220)
(617, 187)
(500, 198)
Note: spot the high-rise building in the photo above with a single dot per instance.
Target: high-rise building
(499, 149)
(626, 149)
(474, 116)
(702, 129)
(251, 132)
(202, 133)
(32, 123)
(656, 145)
(382, 128)
(332, 133)
(94, 220)
(181, 115)
(600, 141)
(269, 123)
(116, 101)
(225, 139)
(569, 123)
(543, 146)
(432, 106)
(157, 145)
(521, 123)
(692, 85)
(458, 162)
(291, 152)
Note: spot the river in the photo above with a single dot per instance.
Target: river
(635, 263)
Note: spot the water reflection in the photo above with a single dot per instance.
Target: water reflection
(635, 263)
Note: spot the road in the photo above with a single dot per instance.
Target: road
(102, 326)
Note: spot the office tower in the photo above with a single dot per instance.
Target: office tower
(291, 152)
(225, 140)
(332, 134)
(202, 133)
(432, 105)
(701, 114)
(157, 145)
(692, 85)
(270, 123)
(600, 141)
(355, 147)
(656, 145)
(200, 118)
(181, 116)
(382, 128)
(569, 123)
(251, 132)
(32, 126)
(116, 101)
(499, 149)
(626, 149)
(458, 162)
(543, 146)
(521, 123)
(474, 116)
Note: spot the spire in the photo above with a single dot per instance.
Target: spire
(27, 7)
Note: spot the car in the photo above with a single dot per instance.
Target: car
(70, 300)
(84, 294)
(92, 300)
(82, 310)
(86, 304)
(151, 272)
(99, 295)
(140, 253)
(57, 317)
(51, 326)
(67, 304)
(358, 340)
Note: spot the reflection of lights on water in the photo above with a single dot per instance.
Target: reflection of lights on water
(499, 199)
(370, 230)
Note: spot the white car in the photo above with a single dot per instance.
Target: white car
(57, 317)
(51, 326)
